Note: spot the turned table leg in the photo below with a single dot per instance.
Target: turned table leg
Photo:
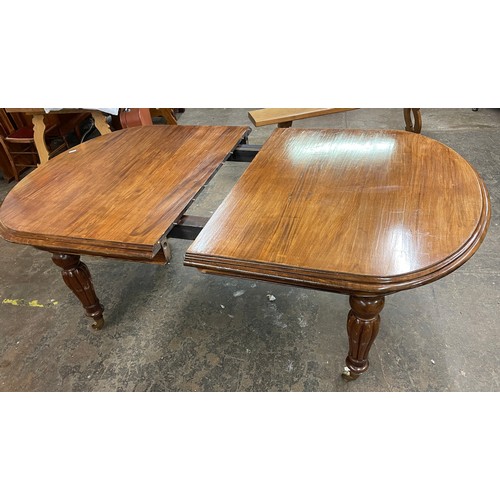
(362, 327)
(77, 276)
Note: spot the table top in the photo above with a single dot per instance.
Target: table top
(349, 211)
(118, 194)
(270, 116)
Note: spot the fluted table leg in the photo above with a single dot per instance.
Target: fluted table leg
(77, 277)
(362, 327)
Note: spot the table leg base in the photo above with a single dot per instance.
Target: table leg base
(77, 277)
(99, 323)
(362, 327)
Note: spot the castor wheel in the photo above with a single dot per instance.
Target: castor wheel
(348, 375)
(99, 323)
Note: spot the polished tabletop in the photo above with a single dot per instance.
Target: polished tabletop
(368, 211)
(118, 194)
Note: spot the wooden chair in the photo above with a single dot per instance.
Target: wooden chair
(17, 145)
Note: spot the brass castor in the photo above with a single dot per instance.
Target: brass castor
(99, 323)
(348, 375)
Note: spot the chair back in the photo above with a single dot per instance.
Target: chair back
(20, 120)
(6, 125)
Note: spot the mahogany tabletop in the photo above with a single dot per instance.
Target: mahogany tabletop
(366, 211)
(118, 194)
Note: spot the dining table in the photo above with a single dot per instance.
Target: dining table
(364, 213)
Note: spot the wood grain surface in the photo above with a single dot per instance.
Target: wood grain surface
(270, 116)
(353, 211)
(118, 194)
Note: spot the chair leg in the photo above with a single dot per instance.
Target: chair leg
(12, 165)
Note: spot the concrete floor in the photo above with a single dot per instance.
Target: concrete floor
(174, 329)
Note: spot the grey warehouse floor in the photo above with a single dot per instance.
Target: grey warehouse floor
(172, 328)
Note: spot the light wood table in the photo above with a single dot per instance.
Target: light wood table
(363, 213)
(284, 117)
(38, 119)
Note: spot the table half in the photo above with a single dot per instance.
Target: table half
(361, 212)
(118, 195)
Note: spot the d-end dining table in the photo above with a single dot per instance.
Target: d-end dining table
(366, 213)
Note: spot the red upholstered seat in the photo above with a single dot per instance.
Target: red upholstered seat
(22, 133)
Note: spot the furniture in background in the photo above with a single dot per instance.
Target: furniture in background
(17, 148)
(167, 113)
(134, 117)
(284, 117)
(413, 124)
(41, 119)
(17, 144)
